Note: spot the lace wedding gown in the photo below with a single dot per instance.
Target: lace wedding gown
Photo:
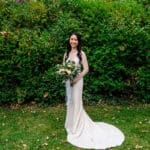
(81, 130)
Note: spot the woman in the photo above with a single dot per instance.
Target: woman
(82, 131)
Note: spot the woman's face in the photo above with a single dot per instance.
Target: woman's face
(74, 41)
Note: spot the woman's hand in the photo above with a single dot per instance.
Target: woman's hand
(76, 79)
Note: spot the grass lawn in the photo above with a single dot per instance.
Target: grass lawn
(34, 128)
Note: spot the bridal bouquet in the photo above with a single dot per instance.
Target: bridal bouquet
(66, 71)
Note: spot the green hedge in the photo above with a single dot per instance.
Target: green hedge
(116, 39)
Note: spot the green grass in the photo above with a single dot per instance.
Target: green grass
(35, 128)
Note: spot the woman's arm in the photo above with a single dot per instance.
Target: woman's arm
(85, 68)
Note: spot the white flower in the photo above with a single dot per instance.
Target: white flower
(68, 71)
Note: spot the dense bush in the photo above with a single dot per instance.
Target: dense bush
(116, 39)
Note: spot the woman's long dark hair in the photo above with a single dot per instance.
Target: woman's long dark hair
(78, 47)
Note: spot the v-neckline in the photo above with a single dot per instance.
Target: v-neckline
(72, 58)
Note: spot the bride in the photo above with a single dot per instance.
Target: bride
(81, 130)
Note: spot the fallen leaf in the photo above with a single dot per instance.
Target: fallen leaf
(138, 146)
(145, 131)
(24, 145)
(45, 144)
(140, 122)
(53, 134)
(45, 95)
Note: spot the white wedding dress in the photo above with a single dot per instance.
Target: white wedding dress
(81, 130)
